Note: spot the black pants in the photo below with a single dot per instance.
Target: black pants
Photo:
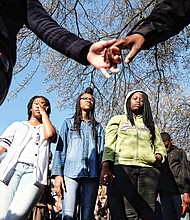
(132, 195)
(6, 69)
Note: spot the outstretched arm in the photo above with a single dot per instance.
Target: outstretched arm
(65, 42)
(167, 19)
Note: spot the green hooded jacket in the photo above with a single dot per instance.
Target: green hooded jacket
(126, 144)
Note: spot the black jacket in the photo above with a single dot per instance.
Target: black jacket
(175, 173)
(167, 19)
(14, 14)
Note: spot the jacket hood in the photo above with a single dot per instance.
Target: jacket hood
(129, 95)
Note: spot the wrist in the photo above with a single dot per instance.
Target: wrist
(105, 166)
(158, 157)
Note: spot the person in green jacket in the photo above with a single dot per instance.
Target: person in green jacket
(133, 149)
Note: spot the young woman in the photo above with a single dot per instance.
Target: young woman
(77, 160)
(24, 170)
(133, 147)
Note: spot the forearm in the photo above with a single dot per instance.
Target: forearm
(57, 37)
(167, 19)
(50, 133)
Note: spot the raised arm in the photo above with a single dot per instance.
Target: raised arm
(50, 133)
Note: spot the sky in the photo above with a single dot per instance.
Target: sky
(16, 108)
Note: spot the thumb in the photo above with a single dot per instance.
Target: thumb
(108, 43)
(130, 56)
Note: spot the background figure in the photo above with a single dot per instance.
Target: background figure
(167, 19)
(24, 169)
(77, 160)
(174, 180)
(133, 150)
(14, 14)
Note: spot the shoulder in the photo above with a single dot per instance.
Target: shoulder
(19, 124)
(67, 123)
(118, 119)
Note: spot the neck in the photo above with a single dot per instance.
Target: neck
(85, 116)
(34, 121)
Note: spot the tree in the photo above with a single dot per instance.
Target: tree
(156, 70)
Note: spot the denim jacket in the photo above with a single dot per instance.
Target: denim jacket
(78, 155)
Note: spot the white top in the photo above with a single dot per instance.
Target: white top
(15, 139)
(28, 153)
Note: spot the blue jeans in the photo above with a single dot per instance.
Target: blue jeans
(18, 198)
(132, 194)
(171, 207)
(82, 192)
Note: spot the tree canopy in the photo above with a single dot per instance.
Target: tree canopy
(162, 71)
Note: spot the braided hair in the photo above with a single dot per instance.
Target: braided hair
(146, 114)
(78, 113)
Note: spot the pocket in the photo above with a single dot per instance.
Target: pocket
(149, 157)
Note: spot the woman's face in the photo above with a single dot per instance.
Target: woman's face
(39, 102)
(86, 102)
(136, 102)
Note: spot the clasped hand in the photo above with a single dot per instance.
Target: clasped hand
(105, 55)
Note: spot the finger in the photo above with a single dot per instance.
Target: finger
(122, 43)
(131, 55)
(113, 54)
(108, 43)
(105, 73)
(107, 58)
(113, 69)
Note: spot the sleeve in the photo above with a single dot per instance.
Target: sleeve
(7, 137)
(167, 19)
(55, 36)
(185, 172)
(159, 145)
(111, 140)
(60, 151)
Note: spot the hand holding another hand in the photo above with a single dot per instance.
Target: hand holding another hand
(59, 186)
(97, 57)
(106, 175)
(132, 42)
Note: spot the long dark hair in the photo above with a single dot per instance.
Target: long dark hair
(78, 113)
(29, 106)
(146, 114)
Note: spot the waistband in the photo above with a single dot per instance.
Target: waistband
(24, 163)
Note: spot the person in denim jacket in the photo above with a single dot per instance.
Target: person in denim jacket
(77, 160)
